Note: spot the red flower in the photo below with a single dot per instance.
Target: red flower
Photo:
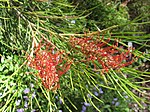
(47, 63)
(99, 50)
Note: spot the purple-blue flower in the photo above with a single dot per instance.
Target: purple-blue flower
(113, 102)
(96, 93)
(26, 104)
(56, 97)
(115, 99)
(87, 104)
(101, 91)
(84, 108)
(126, 97)
(60, 110)
(60, 101)
(26, 97)
(27, 90)
(117, 104)
(20, 110)
(88, 95)
(33, 94)
(82, 111)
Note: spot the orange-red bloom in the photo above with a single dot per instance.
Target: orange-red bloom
(47, 61)
(99, 50)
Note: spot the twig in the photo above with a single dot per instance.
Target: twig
(92, 33)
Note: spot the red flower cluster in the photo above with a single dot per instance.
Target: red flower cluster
(47, 62)
(99, 50)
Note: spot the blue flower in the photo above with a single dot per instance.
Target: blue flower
(26, 97)
(126, 97)
(96, 93)
(115, 99)
(88, 95)
(56, 97)
(101, 91)
(33, 94)
(84, 108)
(87, 104)
(117, 104)
(82, 111)
(20, 110)
(60, 101)
(26, 104)
(113, 102)
(27, 90)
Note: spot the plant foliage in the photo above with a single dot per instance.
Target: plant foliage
(67, 55)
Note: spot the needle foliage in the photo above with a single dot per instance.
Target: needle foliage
(24, 24)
